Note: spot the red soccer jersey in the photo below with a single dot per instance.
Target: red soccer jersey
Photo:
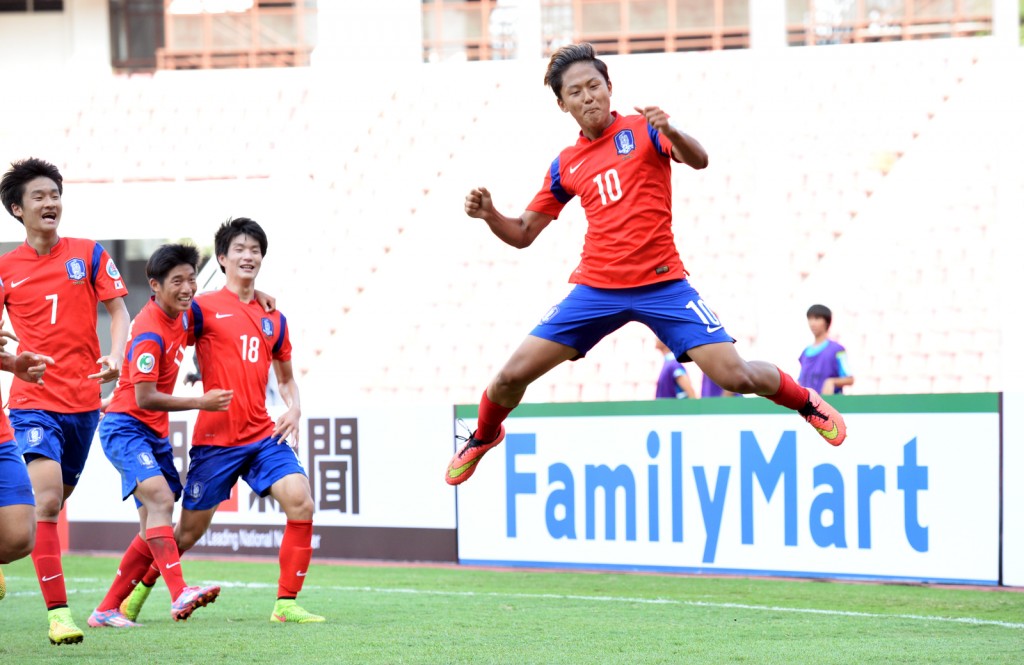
(624, 182)
(154, 352)
(51, 300)
(236, 343)
(6, 432)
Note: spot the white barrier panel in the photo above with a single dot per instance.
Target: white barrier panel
(743, 487)
(368, 469)
(1013, 489)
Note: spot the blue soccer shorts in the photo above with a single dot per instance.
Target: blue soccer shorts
(15, 486)
(138, 453)
(214, 470)
(62, 437)
(673, 310)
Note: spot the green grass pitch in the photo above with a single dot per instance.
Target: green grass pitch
(413, 614)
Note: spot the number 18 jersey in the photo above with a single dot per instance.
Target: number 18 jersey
(236, 343)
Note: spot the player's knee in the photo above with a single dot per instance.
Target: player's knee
(17, 545)
(299, 506)
(509, 381)
(48, 505)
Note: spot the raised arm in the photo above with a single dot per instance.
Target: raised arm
(685, 148)
(519, 231)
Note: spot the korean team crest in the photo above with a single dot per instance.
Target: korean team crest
(268, 327)
(76, 269)
(112, 269)
(146, 460)
(35, 436)
(624, 143)
(195, 489)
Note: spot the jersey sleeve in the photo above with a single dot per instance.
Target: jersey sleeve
(143, 357)
(106, 278)
(552, 196)
(282, 349)
(661, 143)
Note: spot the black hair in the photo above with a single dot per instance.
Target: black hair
(231, 229)
(12, 186)
(168, 257)
(565, 57)
(821, 312)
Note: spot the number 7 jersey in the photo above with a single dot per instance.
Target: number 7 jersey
(236, 344)
(51, 301)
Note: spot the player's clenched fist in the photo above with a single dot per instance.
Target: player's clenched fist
(478, 203)
(655, 117)
(216, 400)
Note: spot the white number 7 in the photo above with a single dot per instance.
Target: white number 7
(53, 311)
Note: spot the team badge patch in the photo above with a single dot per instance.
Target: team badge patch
(112, 269)
(35, 436)
(195, 490)
(76, 269)
(146, 362)
(550, 315)
(146, 460)
(624, 143)
(268, 327)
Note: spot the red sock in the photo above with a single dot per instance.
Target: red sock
(151, 576)
(790, 394)
(489, 418)
(294, 557)
(133, 565)
(46, 557)
(166, 558)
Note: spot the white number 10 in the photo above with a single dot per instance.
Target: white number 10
(611, 182)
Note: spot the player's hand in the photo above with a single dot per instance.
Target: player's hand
(216, 400)
(479, 203)
(287, 427)
(266, 301)
(4, 336)
(110, 369)
(655, 117)
(31, 366)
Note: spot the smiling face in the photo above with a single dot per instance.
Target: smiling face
(41, 207)
(587, 97)
(243, 259)
(174, 295)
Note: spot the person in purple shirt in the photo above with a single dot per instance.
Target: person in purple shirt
(673, 381)
(823, 364)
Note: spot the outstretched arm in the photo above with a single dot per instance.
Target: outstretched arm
(519, 232)
(685, 148)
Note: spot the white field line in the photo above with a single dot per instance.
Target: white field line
(227, 584)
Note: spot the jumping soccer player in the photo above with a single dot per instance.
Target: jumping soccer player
(630, 270)
(823, 364)
(134, 435)
(236, 343)
(17, 506)
(53, 287)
